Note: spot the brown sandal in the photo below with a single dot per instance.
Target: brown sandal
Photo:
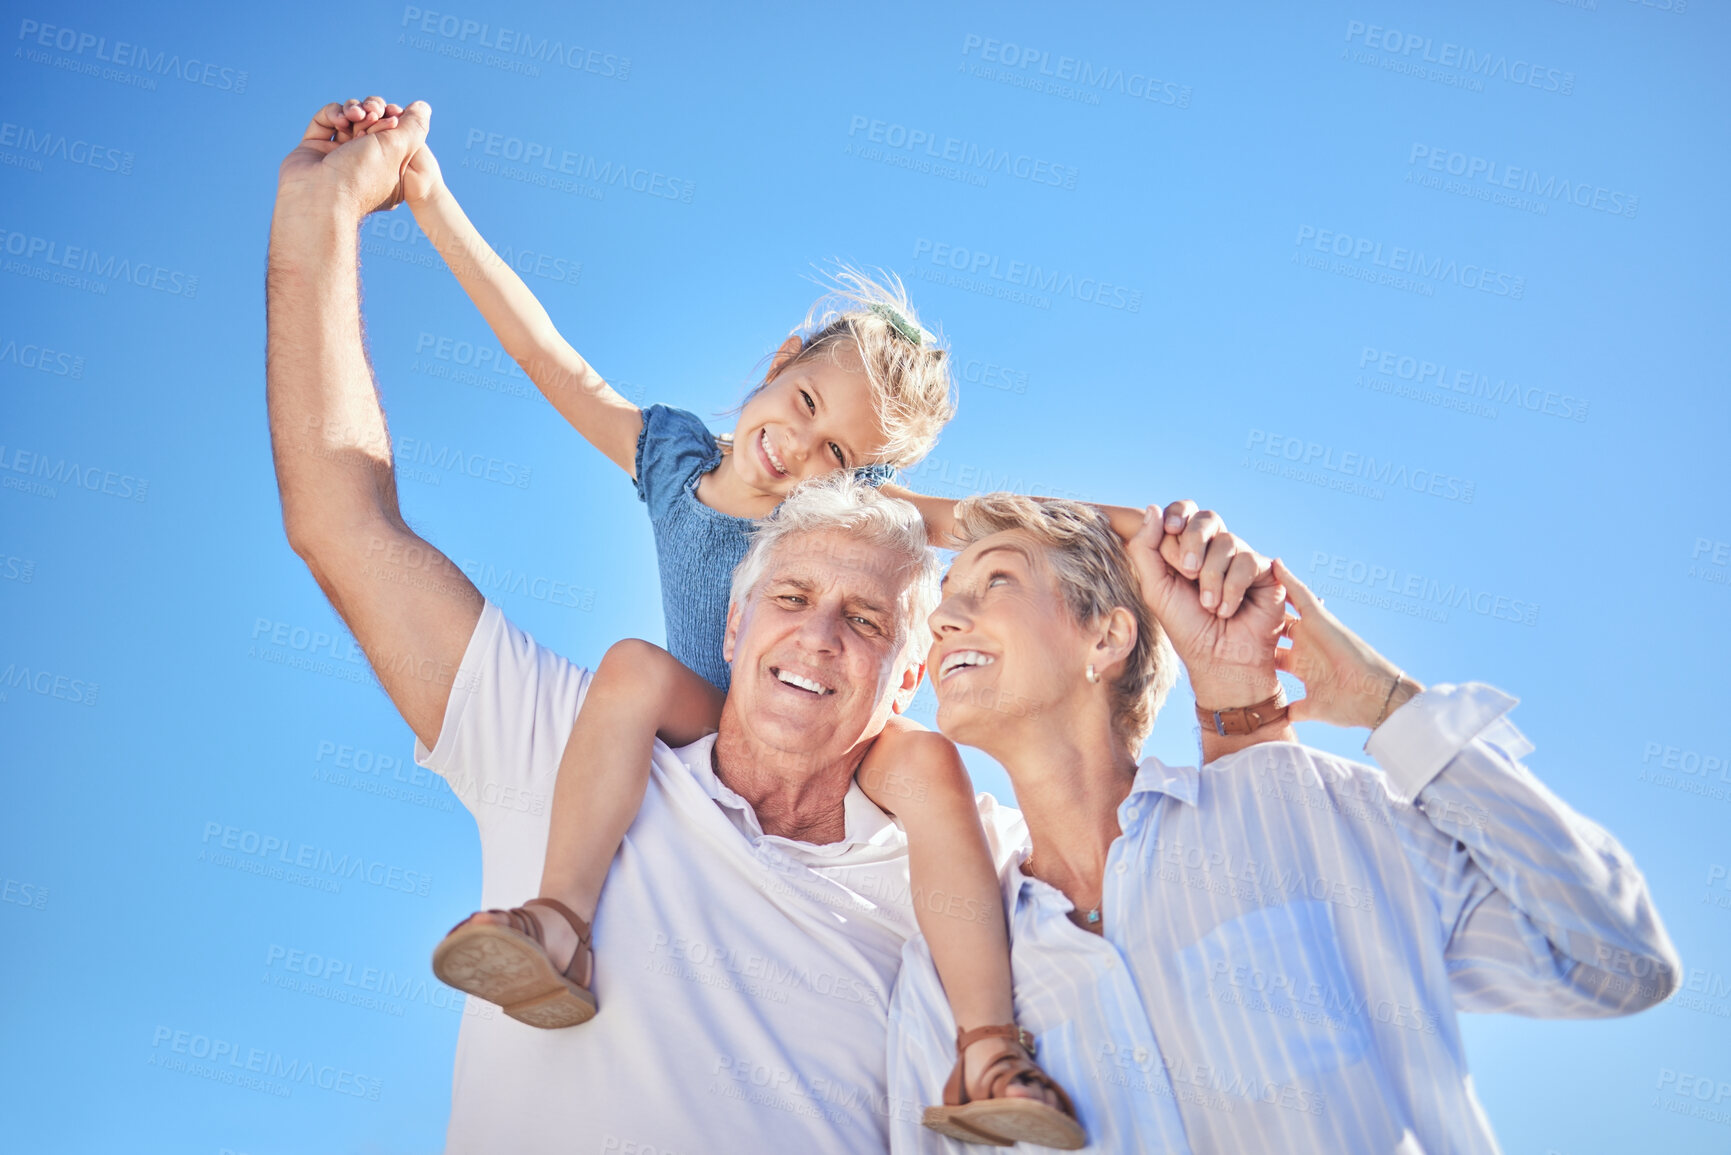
(1004, 1122)
(508, 965)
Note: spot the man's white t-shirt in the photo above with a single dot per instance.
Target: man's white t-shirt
(743, 979)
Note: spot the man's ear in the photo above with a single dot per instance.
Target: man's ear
(912, 676)
(789, 348)
(727, 638)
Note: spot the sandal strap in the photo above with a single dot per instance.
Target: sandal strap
(577, 924)
(1010, 1069)
(956, 1089)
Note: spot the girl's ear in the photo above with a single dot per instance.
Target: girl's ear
(789, 349)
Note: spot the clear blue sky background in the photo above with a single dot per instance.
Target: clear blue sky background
(1595, 455)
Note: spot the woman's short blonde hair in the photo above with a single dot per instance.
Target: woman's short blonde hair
(1095, 576)
(912, 391)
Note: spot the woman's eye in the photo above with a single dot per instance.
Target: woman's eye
(839, 458)
(809, 403)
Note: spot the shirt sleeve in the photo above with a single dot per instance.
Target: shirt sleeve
(506, 723)
(672, 445)
(1546, 914)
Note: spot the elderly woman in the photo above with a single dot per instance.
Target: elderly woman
(1266, 954)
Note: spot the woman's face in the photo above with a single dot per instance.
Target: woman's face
(1006, 648)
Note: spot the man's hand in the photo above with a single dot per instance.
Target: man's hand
(352, 159)
(1346, 682)
(1230, 660)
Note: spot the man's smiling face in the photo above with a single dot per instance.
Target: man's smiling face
(819, 647)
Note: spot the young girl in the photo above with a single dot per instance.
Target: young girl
(861, 387)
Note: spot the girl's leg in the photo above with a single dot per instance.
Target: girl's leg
(918, 776)
(638, 692)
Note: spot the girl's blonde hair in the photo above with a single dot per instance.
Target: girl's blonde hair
(908, 367)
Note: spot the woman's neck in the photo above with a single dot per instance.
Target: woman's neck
(1069, 787)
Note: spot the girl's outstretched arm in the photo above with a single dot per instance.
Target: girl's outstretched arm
(594, 408)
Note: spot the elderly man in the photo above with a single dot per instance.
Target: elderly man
(754, 918)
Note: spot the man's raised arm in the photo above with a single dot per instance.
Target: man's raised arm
(410, 608)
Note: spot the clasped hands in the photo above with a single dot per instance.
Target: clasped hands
(1230, 643)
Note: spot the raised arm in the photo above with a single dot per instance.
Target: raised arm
(410, 608)
(594, 408)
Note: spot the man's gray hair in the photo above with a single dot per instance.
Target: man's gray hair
(890, 528)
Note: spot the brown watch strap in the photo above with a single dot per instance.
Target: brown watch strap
(1238, 720)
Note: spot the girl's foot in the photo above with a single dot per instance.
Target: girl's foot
(1006, 1099)
(508, 957)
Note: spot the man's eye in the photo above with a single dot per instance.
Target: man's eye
(793, 599)
(809, 403)
(839, 458)
(996, 578)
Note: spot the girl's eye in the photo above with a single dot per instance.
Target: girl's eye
(839, 458)
(809, 403)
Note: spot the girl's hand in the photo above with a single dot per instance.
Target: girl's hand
(1346, 683)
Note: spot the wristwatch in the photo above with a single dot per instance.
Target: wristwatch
(1237, 720)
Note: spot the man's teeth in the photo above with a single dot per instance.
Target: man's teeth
(802, 683)
(965, 658)
(769, 452)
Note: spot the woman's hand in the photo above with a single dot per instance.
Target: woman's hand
(1346, 683)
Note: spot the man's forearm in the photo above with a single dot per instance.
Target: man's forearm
(328, 436)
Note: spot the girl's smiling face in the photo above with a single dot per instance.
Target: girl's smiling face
(809, 419)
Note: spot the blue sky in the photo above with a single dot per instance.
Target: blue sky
(1428, 300)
